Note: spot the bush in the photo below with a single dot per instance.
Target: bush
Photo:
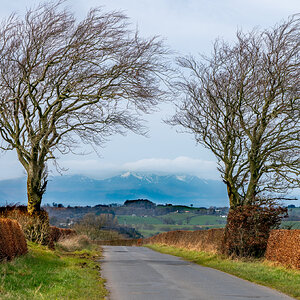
(59, 233)
(100, 221)
(95, 233)
(12, 239)
(104, 227)
(248, 228)
(92, 226)
(35, 227)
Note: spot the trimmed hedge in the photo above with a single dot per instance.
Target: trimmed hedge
(12, 239)
(284, 247)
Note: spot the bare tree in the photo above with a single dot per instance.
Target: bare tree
(243, 104)
(63, 82)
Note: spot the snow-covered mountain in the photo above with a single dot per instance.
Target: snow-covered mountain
(81, 190)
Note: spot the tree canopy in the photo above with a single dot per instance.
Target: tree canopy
(64, 81)
(243, 104)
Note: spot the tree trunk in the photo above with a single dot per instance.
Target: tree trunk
(232, 195)
(36, 186)
(254, 161)
(232, 192)
(34, 199)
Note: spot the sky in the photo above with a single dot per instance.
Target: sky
(188, 27)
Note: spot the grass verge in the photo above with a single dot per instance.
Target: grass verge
(259, 271)
(47, 274)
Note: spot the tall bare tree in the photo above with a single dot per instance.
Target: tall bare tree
(63, 82)
(243, 103)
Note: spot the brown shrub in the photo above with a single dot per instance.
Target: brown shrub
(54, 233)
(284, 247)
(248, 227)
(59, 233)
(35, 227)
(12, 239)
(201, 240)
(92, 225)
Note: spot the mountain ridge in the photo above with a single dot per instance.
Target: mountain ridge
(82, 190)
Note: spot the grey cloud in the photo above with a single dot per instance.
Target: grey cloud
(180, 165)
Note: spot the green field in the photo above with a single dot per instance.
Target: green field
(149, 226)
(290, 225)
(208, 220)
(130, 220)
(172, 219)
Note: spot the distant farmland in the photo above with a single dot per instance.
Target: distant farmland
(149, 225)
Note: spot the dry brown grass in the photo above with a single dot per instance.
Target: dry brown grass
(12, 239)
(74, 243)
(201, 240)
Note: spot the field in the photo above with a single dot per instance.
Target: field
(290, 225)
(149, 225)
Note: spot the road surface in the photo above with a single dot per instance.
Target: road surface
(138, 273)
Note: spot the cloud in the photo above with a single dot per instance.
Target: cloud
(10, 166)
(180, 165)
(191, 25)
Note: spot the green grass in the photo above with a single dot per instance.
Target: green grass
(207, 220)
(290, 224)
(46, 274)
(129, 220)
(183, 218)
(182, 221)
(179, 217)
(259, 271)
(194, 219)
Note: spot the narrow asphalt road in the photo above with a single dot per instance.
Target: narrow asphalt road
(137, 273)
